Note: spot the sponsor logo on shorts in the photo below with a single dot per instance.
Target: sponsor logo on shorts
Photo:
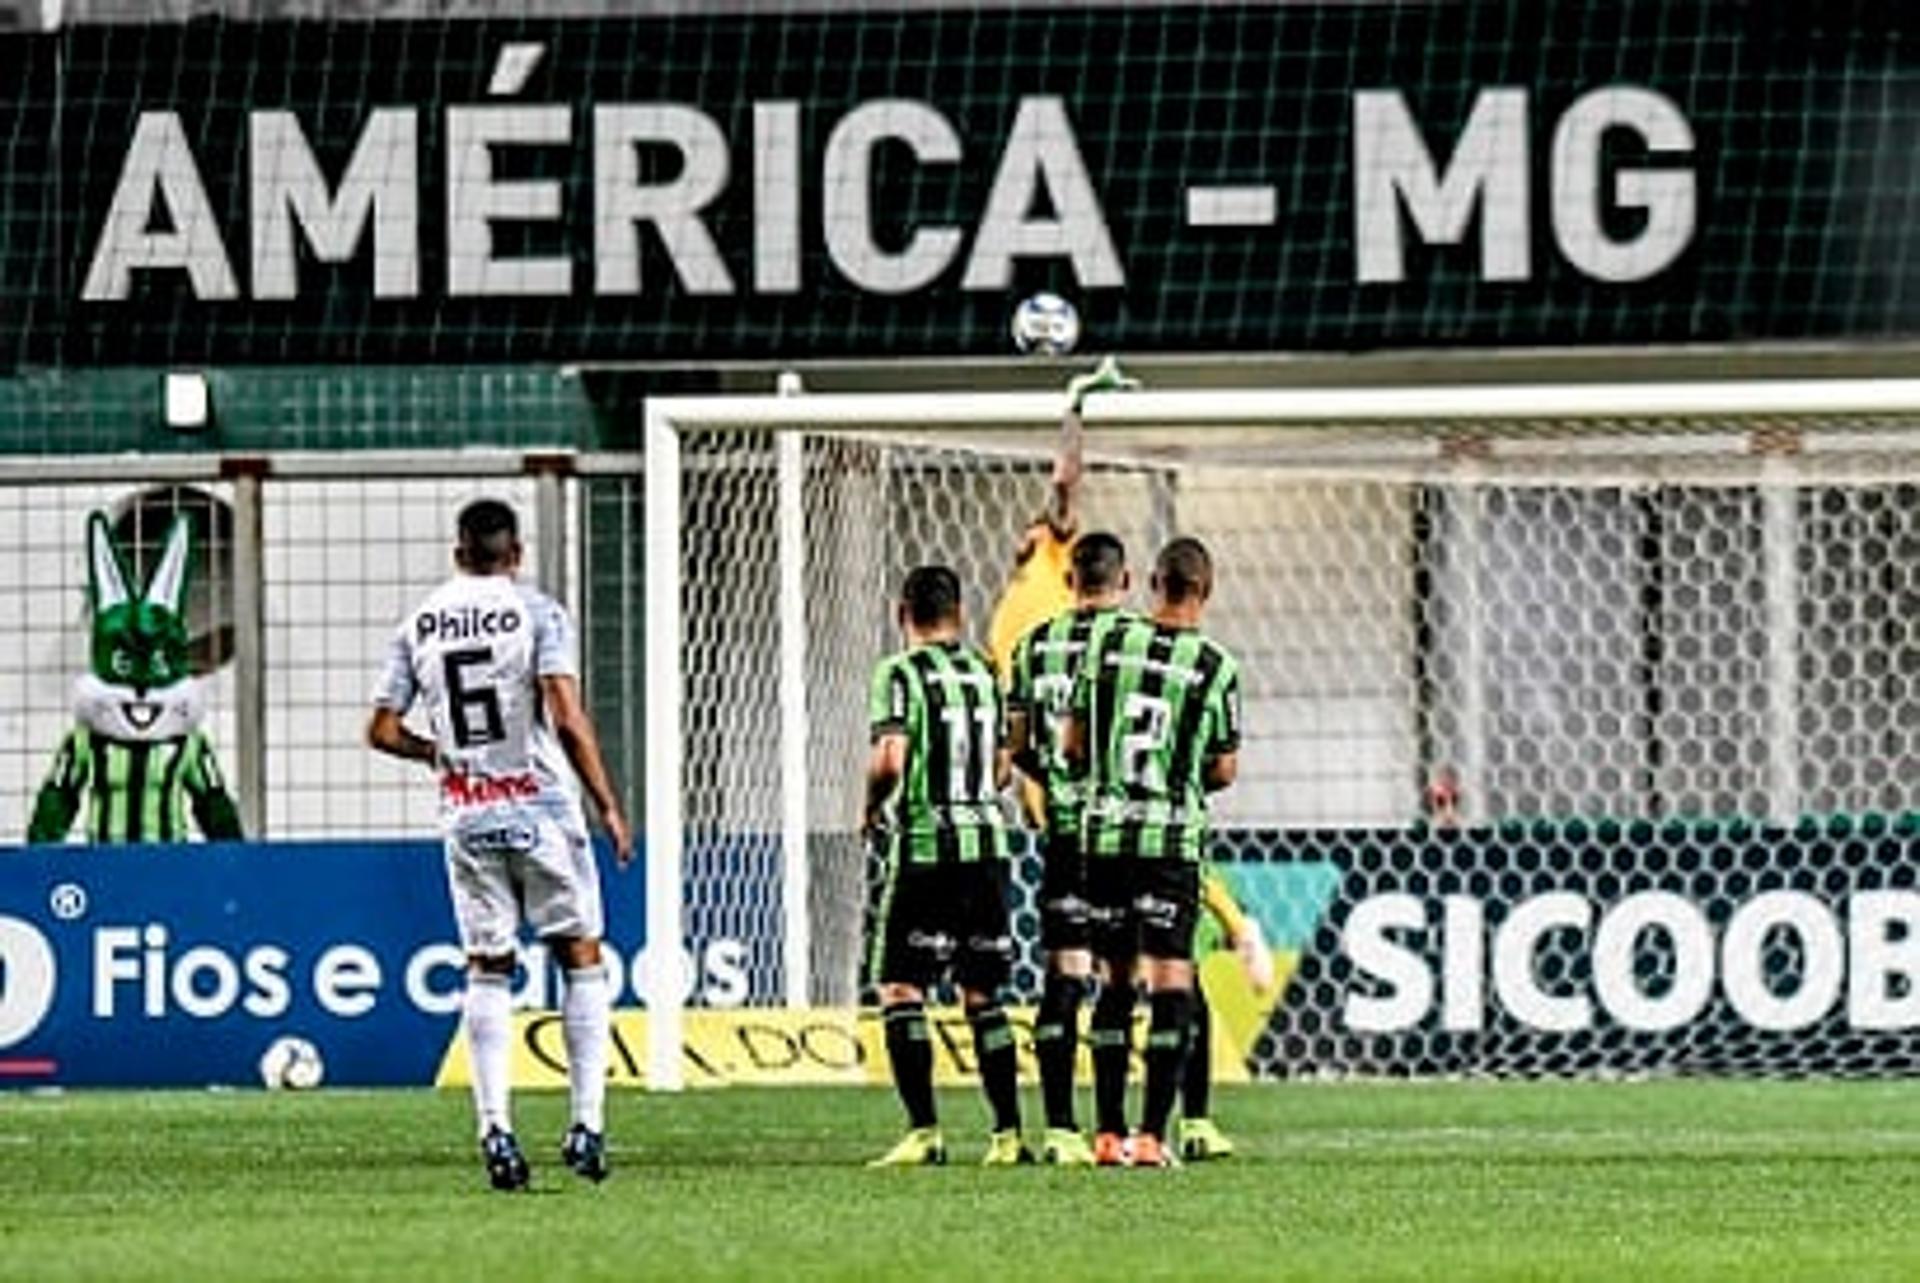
(1156, 912)
(501, 839)
(1070, 907)
(938, 943)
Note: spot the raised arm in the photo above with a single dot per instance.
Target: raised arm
(1063, 512)
(1069, 454)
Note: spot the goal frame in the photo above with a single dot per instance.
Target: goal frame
(1568, 406)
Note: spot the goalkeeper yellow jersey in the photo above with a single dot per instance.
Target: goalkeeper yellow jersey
(1036, 592)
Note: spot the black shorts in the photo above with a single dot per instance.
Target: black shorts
(1063, 894)
(945, 919)
(1143, 907)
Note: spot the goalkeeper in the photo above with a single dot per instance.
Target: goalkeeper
(1037, 590)
(1062, 592)
(1222, 926)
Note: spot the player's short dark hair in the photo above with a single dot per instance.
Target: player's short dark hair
(489, 535)
(1184, 570)
(931, 596)
(1099, 559)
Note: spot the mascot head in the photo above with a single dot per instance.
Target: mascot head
(139, 639)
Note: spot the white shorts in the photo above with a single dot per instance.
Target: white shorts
(506, 865)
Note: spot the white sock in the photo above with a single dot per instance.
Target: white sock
(490, 1041)
(584, 1016)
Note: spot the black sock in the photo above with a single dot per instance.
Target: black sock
(1056, 1039)
(911, 1051)
(1172, 1014)
(999, 1069)
(1196, 1081)
(1110, 1036)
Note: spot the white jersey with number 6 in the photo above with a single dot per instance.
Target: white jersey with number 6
(473, 653)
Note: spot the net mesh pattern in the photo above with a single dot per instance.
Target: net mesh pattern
(1601, 663)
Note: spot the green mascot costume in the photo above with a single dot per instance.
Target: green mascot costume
(136, 761)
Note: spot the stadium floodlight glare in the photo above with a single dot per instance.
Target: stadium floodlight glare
(189, 404)
(1412, 576)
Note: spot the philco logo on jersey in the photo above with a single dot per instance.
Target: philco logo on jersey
(464, 623)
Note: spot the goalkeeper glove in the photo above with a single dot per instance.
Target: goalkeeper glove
(1256, 960)
(1106, 377)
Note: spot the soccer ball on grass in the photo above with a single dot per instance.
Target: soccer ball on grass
(291, 1064)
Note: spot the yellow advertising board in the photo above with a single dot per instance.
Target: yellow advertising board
(824, 1046)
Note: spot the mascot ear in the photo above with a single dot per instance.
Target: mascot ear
(168, 587)
(106, 574)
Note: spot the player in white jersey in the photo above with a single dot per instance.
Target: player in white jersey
(493, 662)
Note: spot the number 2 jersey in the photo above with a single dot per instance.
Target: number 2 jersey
(1158, 703)
(474, 652)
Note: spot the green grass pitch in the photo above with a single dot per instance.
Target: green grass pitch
(1635, 1181)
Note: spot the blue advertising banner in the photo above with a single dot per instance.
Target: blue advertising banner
(179, 966)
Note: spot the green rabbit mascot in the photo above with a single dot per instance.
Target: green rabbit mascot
(137, 758)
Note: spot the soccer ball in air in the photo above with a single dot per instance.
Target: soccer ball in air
(291, 1064)
(1046, 325)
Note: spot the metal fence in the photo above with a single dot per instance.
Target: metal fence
(301, 569)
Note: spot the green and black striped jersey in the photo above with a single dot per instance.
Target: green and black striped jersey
(134, 791)
(1158, 703)
(1046, 663)
(945, 699)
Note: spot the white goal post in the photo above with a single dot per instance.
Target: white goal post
(1699, 433)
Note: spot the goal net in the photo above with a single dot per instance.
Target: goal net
(1582, 723)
